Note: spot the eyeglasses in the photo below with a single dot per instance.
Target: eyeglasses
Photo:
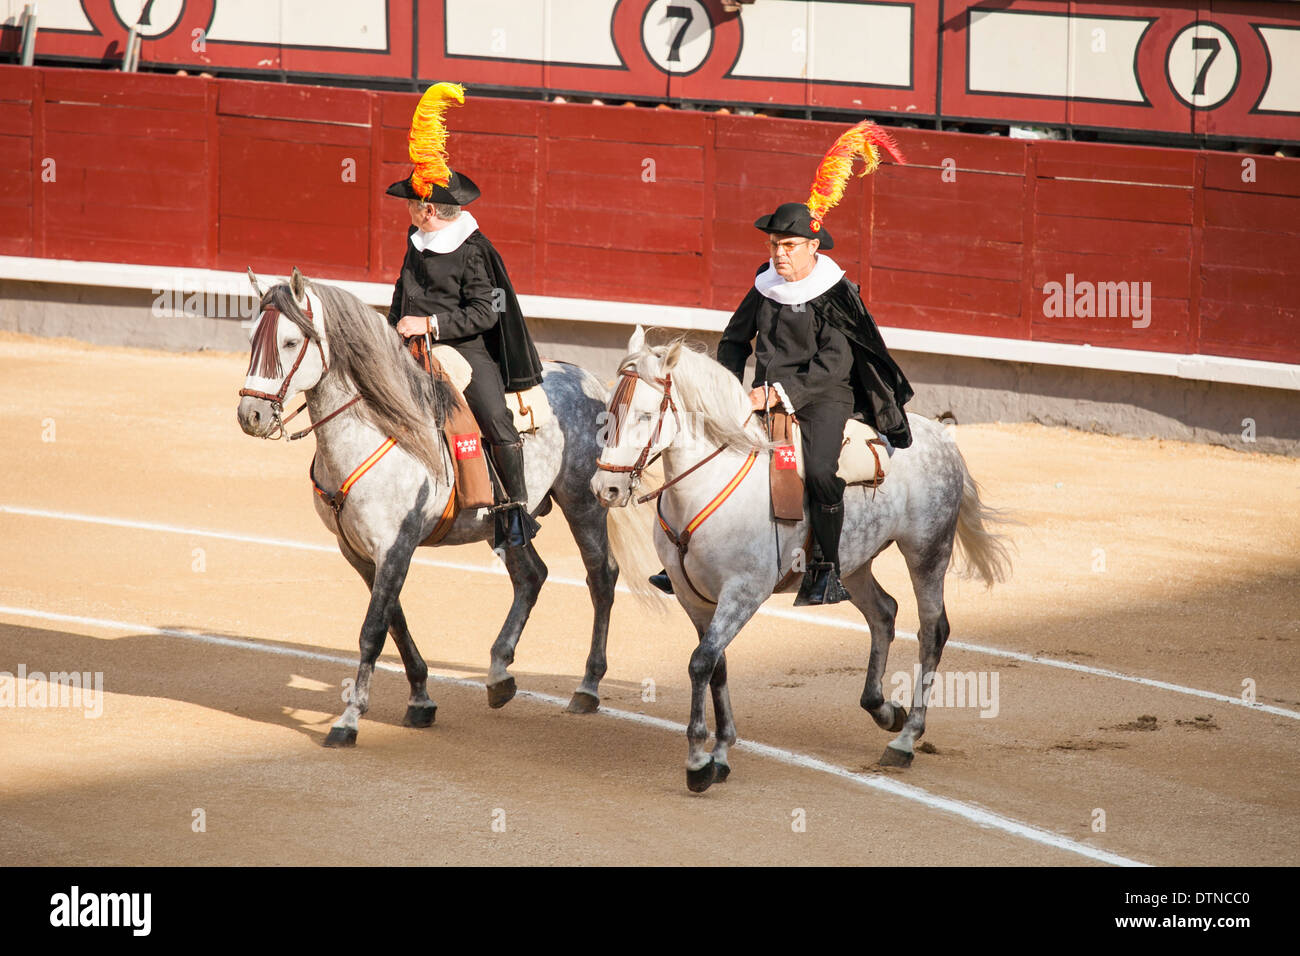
(787, 246)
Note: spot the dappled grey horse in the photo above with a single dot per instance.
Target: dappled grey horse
(686, 406)
(383, 475)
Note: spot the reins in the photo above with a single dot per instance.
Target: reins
(264, 338)
(622, 398)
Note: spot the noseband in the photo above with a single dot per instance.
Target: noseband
(622, 398)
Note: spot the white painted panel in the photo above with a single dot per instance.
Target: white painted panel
(354, 25)
(775, 40)
(1103, 58)
(563, 31)
(860, 43)
(1283, 91)
(497, 28)
(1013, 53)
(50, 15)
(836, 42)
(1040, 55)
(581, 31)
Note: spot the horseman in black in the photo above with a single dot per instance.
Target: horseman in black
(818, 354)
(454, 287)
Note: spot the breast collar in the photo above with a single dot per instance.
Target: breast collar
(824, 276)
(446, 240)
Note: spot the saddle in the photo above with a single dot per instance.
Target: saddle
(862, 462)
(460, 429)
(531, 408)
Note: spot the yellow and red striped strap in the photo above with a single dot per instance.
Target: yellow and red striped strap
(718, 499)
(366, 465)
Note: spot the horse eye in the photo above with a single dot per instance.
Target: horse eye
(644, 416)
(290, 343)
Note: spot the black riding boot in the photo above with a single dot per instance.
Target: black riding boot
(515, 527)
(821, 581)
(662, 581)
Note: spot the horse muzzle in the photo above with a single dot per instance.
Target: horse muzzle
(259, 418)
(612, 490)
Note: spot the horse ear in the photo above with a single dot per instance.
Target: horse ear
(256, 286)
(671, 355)
(297, 284)
(637, 342)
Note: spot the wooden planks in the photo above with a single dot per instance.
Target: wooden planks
(1250, 257)
(658, 206)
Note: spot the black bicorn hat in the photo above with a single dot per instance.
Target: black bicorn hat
(459, 191)
(794, 219)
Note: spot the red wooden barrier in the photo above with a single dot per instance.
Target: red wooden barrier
(655, 206)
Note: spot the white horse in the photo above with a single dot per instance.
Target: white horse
(724, 563)
(362, 389)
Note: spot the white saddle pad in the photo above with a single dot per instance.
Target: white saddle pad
(857, 462)
(532, 409)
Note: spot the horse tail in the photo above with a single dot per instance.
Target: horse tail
(985, 554)
(630, 535)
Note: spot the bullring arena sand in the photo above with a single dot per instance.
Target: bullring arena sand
(151, 517)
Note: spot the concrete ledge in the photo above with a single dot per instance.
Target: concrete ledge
(967, 388)
(1204, 368)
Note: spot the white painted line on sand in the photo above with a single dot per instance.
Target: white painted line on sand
(967, 811)
(803, 617)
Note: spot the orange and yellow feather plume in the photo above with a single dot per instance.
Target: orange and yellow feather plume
(427, 141)
(864, 142)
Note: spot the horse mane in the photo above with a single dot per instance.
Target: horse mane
(398, 397)
(708, 393)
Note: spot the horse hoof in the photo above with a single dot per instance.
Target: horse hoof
(341, 737)
(420, 716)
(697, 781)
(724, 772)
(501, 694)
(893, 757)
(583, 703)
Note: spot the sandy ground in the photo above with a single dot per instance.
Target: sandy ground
(1159, 560)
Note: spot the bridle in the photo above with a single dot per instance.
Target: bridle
(622, 398)
(681, 540)
(264, 338)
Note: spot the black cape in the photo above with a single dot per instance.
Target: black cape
(510, 343)
(880, 390)
(507, 340)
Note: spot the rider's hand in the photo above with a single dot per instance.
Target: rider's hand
(410, 325)
(760, 398)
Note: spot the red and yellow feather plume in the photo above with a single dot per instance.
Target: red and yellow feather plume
(427, 142)
(863, 142)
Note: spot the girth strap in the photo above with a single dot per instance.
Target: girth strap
(683, 541)
(340, 497)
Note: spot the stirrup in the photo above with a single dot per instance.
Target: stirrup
(662, 581)
(821, 585)
(515, 527)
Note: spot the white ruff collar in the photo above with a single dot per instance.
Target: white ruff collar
(447, 239)
(824, 275)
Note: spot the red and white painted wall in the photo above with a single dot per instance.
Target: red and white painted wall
(1206, 68)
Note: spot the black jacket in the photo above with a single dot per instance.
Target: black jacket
(470, 292)
(821, 351)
